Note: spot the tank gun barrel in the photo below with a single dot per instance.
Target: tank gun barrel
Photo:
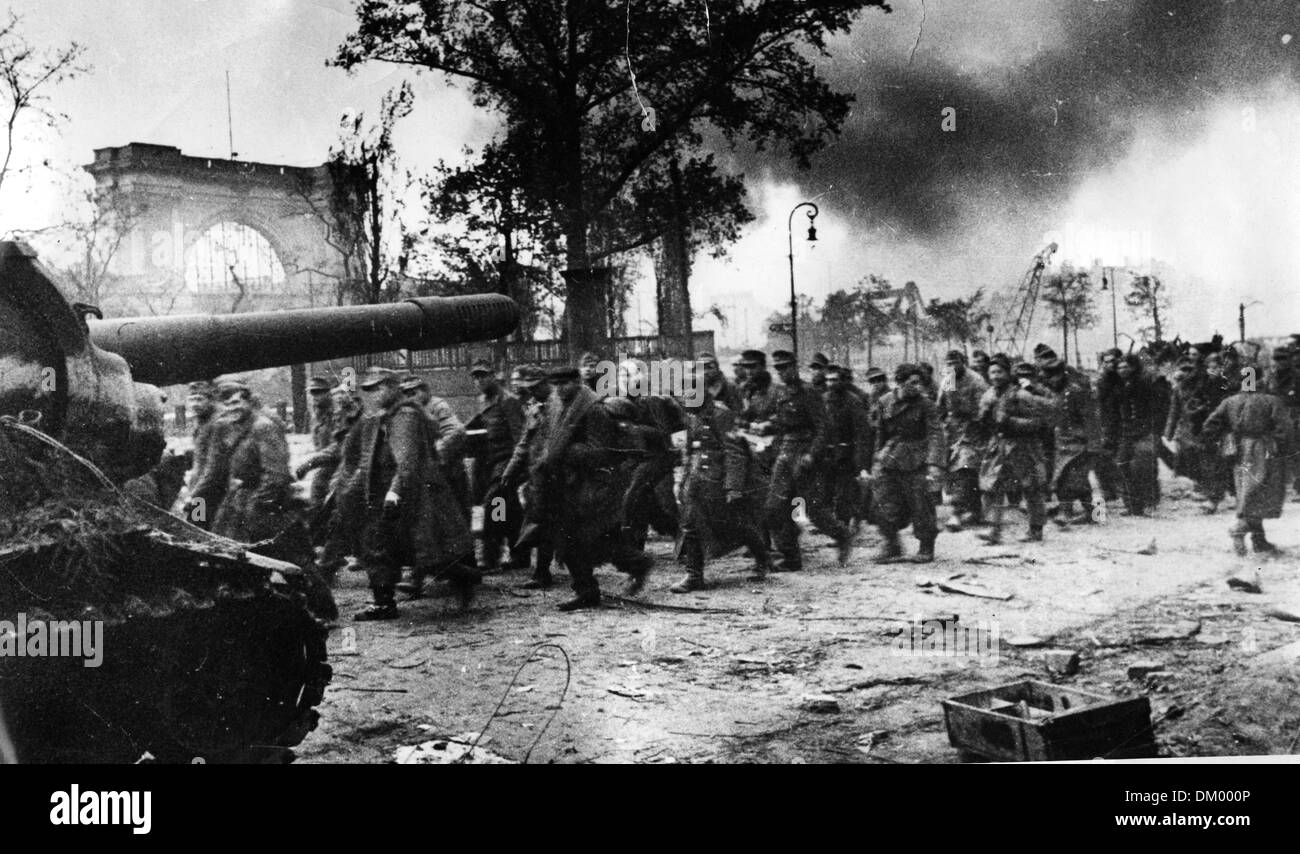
(178, 349)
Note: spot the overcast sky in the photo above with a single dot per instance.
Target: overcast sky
(1167, 126)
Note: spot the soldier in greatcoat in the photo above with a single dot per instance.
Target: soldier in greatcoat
(1253, 427)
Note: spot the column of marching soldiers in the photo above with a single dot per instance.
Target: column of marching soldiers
(570, 477)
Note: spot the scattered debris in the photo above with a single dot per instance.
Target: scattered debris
(970, 590)
(1142, 669)
(1025, 641)
(821, 703)
(868, 740)
(1213, 640)
(1281, 655)
(1245, 585)
(630, 693)
(1283, 612)
(1063, 662)
(1038, 721)
(449, 751)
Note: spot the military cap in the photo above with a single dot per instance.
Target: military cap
(481, 366)
(563, 372)
(905, 371)
(1001, 360)
(1041, 349)
(319, 383)
(1186, 362)
(1055, 366)
(834, 369)
(781, 358)
(955, 356)
(589, 358)
(204, 388)
(527, 376)
(621, 408)
(819, 360)
(1024, 369)
(1115, 352)
(977, 353)
(875, 375)
(753, 359)
(412, 382)
(229, 387)
(377, 376)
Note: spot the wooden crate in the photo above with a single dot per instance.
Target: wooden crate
(1037, 721)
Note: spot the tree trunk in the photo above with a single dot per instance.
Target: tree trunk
(673, 270)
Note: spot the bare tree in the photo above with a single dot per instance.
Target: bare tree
(26, 72)
(1147, 298)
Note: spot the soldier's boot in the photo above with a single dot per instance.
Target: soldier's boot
(1260, 544)
(844, 547)
(991, 537)
(891, 549)
(638, 569)
(1238, 534)
(541, 580)
(464, 577)
(1035, 535)
(692, 580)
(925, 554)
(383, 608)
(413, 586)
(586, 593)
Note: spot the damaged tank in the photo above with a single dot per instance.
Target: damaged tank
(126, 633)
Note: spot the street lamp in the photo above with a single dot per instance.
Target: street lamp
(1241, 317)
(794, 300)
(1114, 315)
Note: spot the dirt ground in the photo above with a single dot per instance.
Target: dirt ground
(743, 671)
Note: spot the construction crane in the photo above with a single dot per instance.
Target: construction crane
(1018, 319)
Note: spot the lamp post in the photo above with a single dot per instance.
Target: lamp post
(794, 300)
(1114, 314)
(1241, 317)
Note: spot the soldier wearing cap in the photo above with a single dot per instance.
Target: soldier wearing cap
(450, 432)
(1078, 472)
(1195, 395)
(1013, 419)
(1254, 425)
(1283, 381)
(877, 385)
(589, 369)
(570, 464)
(959, 405)
(908, 464)
(738, 372)
(728, 393)
(849, 443)
(248, 467)
(718, 494)
(818, 366)
(501, 416)
(322, 434)
(799, 427)
(530, 386)
(331, 521)
(409, 516)
(201, 407)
